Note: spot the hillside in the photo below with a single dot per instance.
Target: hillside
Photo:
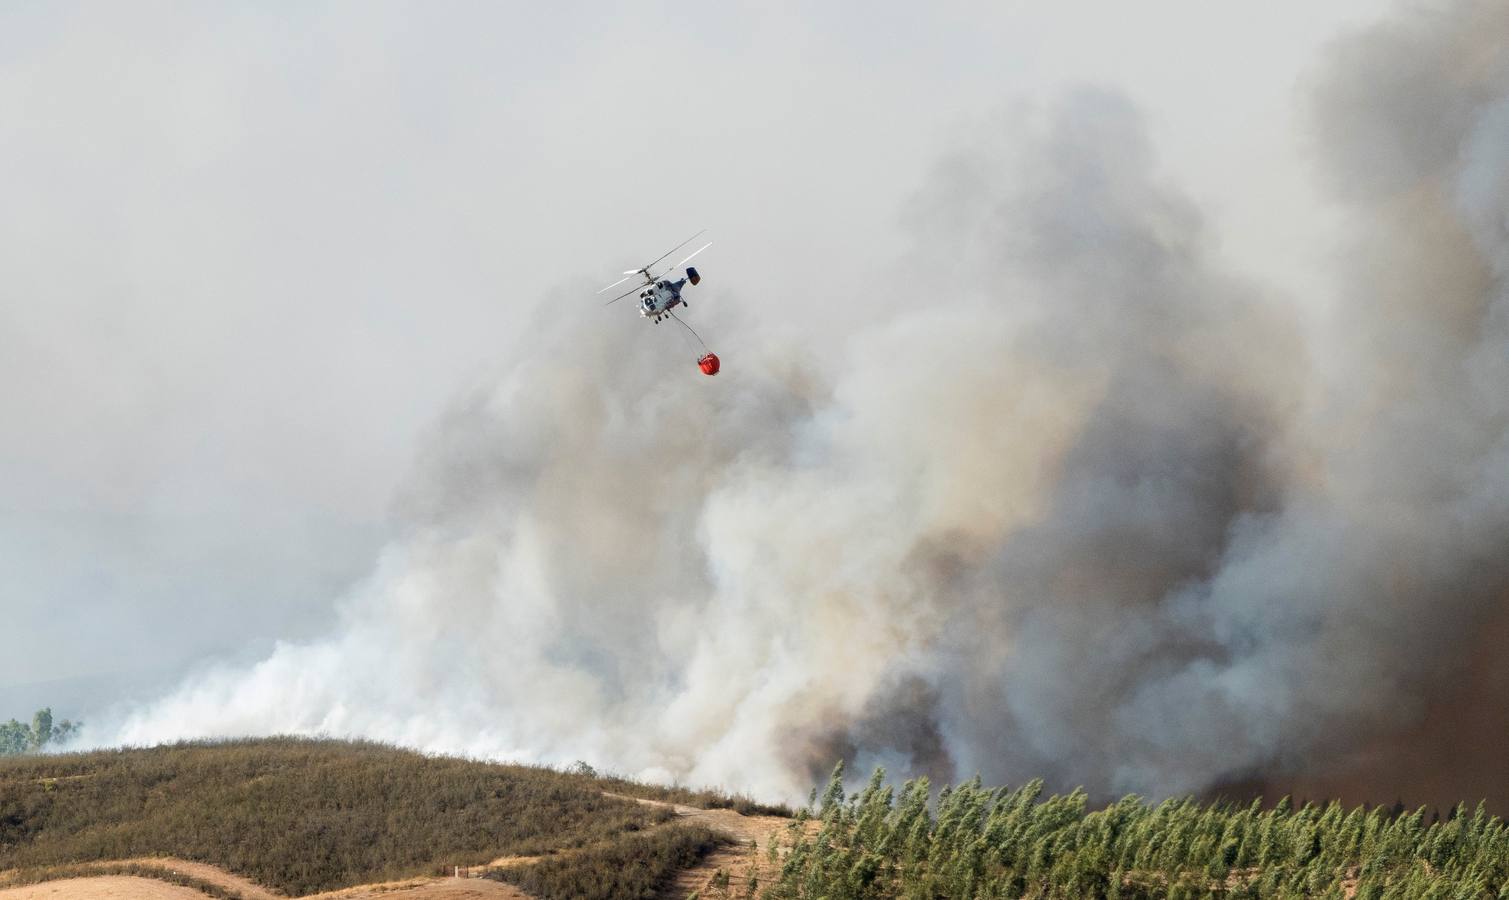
(280, 818)
(296, 817)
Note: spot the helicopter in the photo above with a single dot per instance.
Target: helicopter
(658, 295)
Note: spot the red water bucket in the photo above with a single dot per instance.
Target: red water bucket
(708, 364)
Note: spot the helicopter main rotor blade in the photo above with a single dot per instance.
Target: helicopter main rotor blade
(644, 272)
(689, 258)
(631, 290)
(657, 259)
(627, 276)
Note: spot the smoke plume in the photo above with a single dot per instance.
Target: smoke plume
(1068, 499)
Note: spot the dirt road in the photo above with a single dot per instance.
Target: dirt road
(134, 887)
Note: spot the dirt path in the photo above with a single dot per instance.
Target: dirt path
(752, 837)
(133, 887)
(136, 887)
(114, 887)
(248, 889)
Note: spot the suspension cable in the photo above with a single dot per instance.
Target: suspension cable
(690, 329)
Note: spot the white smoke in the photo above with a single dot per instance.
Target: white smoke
(1082, 505)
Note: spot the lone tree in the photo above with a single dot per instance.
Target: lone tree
(17, 738)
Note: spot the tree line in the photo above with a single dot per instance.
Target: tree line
(17, 737)
(979, 842)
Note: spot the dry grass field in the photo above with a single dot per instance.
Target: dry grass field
(287, 818)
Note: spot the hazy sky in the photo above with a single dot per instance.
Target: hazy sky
(248, 252)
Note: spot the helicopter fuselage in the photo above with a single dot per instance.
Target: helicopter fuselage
(660, 298)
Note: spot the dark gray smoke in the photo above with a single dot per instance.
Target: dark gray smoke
(1072, 500)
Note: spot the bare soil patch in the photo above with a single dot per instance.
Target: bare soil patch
(114, 887)
(135, 887)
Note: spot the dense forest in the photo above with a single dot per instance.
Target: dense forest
(975, 841)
